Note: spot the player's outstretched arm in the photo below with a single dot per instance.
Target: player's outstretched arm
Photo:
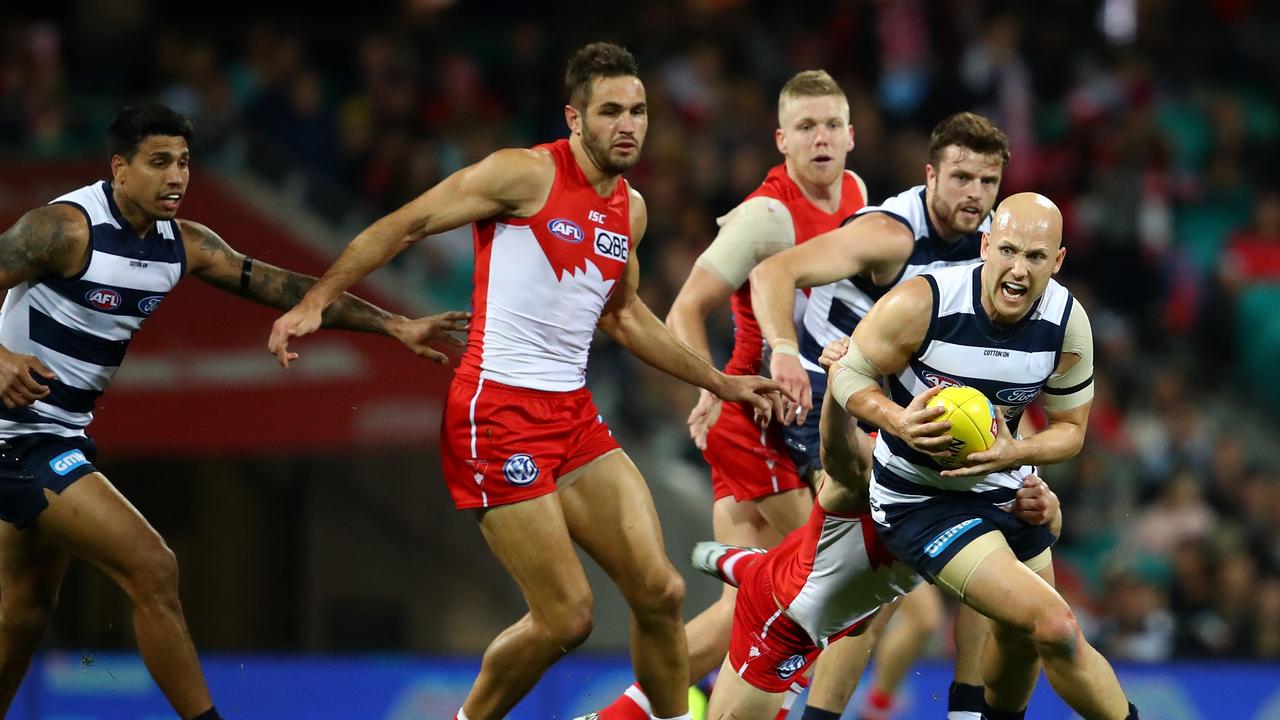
(634, 326)
(49, 240)
(869, 243)
(702, 292)
(845, 449)
(211, 259)
(514, 182)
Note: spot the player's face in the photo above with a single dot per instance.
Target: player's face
(815, 136)
(614, 124)
(963, 187)
(155, 179)
(1020, 258)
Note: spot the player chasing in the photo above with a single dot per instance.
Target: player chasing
(83, 273)
(825, 581)
(555, 228)
(1006, 328)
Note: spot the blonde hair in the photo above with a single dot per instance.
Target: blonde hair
(809, 83)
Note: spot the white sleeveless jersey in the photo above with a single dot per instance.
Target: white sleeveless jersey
(835, 309)
(1009, 364)
(80, 327)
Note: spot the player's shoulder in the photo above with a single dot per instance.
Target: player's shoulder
(193, 231)
(757, 209)
(518, 163)
(910, 298)
(55, 222)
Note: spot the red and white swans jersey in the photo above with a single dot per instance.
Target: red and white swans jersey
(541, 282)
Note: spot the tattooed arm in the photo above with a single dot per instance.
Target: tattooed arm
(211, 259)
(50, 240)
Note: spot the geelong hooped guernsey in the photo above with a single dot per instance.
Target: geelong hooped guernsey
(1009, 364)
(541, 282)
(835, 572)
(80, 327)
(835, 309)
(809, 221)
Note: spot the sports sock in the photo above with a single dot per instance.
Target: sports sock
(632, 704)
(879, 706)
(813, 713)
(789, 699)
(1133, 712)
(964, 702)
(989, 713)
(210, 714)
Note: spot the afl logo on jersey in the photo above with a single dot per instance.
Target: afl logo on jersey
(788, 667)
(103, 298)
(520, 469)
(1018, 396)
(148, 305)
(566, 230)
(612, 245)
(934, 378)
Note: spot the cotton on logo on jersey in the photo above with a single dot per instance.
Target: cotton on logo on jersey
(614, 246)
(68, 461)
(103, 299)
(566, 230)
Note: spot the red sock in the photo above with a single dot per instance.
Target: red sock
(879, 704)
(630, 705)
(793, 694)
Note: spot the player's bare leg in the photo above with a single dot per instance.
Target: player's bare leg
(531, 539)
(1030, 619)
(840, 667)
(32, 565)
(95, 522)
(735, 699)
(610, 514)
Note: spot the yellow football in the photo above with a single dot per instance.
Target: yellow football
(973, 421)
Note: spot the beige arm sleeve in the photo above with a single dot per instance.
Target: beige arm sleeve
(749, 233)
(852, 373)
(1074, 387)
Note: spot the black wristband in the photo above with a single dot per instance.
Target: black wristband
(246, 273)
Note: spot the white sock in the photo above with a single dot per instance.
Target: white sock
(461, 715)
(685, 716)
(963, 715)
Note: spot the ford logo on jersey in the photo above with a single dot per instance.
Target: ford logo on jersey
(788, 667)
(520, 469)
(934, 378)
(148, 305)
(566, 230)
(103, 298)
(612, 245)
(1018, 396)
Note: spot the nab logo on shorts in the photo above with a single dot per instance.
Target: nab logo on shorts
(566, 230)
(103, 298)
(612, 245)
(520, 469)
(788, 667)
(934, 378)
(68, 461)
(148, 305)
(1018, 396)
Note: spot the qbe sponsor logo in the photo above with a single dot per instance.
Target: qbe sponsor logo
(612, 245)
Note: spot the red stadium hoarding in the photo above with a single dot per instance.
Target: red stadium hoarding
(198, 378)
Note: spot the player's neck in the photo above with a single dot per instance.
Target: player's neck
(824, 196)
(137, 219)
(602, 182)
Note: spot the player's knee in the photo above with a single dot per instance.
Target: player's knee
(153, 576)
(662, 598)
(571, 624)
(1056, 632)
(26, 614)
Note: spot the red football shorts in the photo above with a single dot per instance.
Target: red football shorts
(746, 462)
(500, 444)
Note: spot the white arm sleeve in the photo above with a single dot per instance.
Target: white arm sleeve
(749, 233)
(1074, 387)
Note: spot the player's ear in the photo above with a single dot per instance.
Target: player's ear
(986, 242)
(573, 119)
(779, 138)
(1062, 255)
(118, 164)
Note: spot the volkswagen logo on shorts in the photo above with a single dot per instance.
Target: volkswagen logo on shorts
(1018, 396)
(148, 305)
(788, 667)
(103, 298)
(520, 469)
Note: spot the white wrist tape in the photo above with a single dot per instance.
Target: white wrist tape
(851, 374)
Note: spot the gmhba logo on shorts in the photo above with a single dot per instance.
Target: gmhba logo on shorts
(520, 469)
(788, 667)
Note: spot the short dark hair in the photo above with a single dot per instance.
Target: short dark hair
(136, 122)
(597, 60)
(971, 131)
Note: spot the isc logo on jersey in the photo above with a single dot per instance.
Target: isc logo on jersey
(566, 230)
(103, 298)
(788, 667)
(612, 245)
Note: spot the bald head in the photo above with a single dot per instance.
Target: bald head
(1031, 216)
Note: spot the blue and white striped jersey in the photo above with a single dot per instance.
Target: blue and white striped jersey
(835, 309)
(80, 327)
(1009, 364)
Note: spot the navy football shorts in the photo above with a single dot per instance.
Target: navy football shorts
(31, 463)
